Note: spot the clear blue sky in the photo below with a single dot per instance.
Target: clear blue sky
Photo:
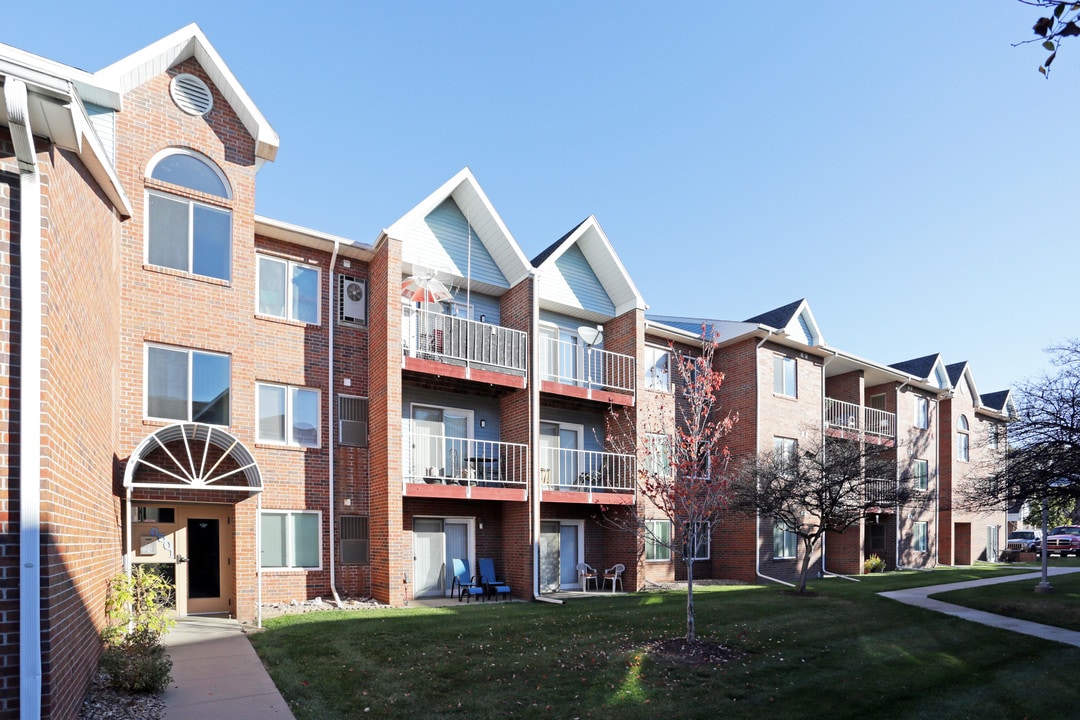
(900, 165)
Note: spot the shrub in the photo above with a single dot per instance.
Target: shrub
(874, 564)
(136, 607)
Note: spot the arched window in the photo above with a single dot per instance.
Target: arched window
(963, 440)
(183, 232)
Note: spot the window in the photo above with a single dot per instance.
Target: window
(187, 385)
(922, 412)
(784, 376)
(992, 436)
(353, 419)
(877, 401)
(657, 369)
(354, 540)
(288, 290)
(657, 454)
(963, 440)
(183, 233)
(918, 537)
(291, 539)
(786, 451)
(920, 471)
(784, 541)
(699, 540)
(288, 415)
(658, 540)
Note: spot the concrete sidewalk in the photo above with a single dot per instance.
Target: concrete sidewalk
(920, 598)
(216, 674)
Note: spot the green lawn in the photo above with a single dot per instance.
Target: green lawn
(843, 653)
(1019, 599)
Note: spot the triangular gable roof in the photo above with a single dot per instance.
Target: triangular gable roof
(418, 240)
(961, 372)
(590, 239)
(794, 319)
(190, 42)
(999, 402)
(930, 369)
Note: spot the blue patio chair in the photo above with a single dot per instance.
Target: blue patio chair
(493, 586)
(464, 584)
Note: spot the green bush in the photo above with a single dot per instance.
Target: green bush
(874, 564)
(136, 606)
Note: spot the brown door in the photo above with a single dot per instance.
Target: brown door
(204, 575)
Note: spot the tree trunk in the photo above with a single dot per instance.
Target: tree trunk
(808, 550)
(691, 632)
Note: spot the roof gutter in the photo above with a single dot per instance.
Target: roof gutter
(29, 422)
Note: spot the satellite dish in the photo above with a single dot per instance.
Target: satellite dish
(591, 335)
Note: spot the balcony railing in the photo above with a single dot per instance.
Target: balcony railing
(854, 417)
(574, 364)
(879, 490)
(441, 460)
(433, 335)
(587, 470)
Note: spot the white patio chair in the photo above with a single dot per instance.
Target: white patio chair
(614, 575)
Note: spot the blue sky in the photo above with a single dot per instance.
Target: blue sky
(900, 165)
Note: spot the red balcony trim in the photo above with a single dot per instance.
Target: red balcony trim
(434, 367)
(573, 391)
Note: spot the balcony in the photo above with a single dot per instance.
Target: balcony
(852, 418)
(880, 492)
(454, 467)
(447, 345)
(587, 476)
(575, 370)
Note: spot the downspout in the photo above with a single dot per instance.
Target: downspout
(29, 424)
(898, 391)
(823, 419)
(534, 439)
(937, 485)
(757, 514)
(258, 558)
(330, 426)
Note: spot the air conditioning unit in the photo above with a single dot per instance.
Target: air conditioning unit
(354, 433)
(353, 301)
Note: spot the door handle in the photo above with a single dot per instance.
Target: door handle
(181, 559)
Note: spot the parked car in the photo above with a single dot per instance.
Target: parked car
(1064, 540)
(1024, 541)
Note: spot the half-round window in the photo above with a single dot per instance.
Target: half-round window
(183, 232)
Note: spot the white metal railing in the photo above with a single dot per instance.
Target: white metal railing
(442, 460)
(571, 363)
(587, 470)
(431, 334)
(851, 416)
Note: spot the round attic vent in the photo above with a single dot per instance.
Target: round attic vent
(191, 94)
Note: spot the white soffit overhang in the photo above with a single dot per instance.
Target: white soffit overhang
(190, 42)
(314, 239)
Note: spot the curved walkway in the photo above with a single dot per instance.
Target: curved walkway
(920, 598)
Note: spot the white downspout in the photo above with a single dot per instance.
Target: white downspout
(330, 429)
(29, 426)
(534, 439)
(757, 514)
(898, 508)
(258, 558)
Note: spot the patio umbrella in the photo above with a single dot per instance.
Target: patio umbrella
(424, 288)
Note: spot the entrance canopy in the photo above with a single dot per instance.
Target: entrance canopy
(194, 456)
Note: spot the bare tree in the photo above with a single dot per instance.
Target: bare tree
(826, 487)
(683, 474)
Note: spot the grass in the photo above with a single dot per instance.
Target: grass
(1019, 599)
(843, 653)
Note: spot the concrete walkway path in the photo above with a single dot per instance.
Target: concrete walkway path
(216, 674)
(920, 598)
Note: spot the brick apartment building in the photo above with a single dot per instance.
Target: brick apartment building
(266, 412)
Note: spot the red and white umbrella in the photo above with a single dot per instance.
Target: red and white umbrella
(425, 289)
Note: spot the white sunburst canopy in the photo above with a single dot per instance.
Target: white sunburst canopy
(180, 456)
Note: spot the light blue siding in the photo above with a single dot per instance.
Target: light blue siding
(482, 305)
(566, 324)
(807, 337)
(104, 121)
(483, 409)
(593, 425)
(583, 282)
(452, 231)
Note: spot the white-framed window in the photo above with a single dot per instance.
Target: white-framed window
(288, 289)
(657, 540)
(992, 436)
(657, 449)
(786, 451)
(657, 368)
(291, 539)
(920, 474)
(700, 540)
(288, 415)
(187, 385)
(785, 541)
(785, 376)
(922, 412)
(919, 537)
(184, 233)
(963, 439)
